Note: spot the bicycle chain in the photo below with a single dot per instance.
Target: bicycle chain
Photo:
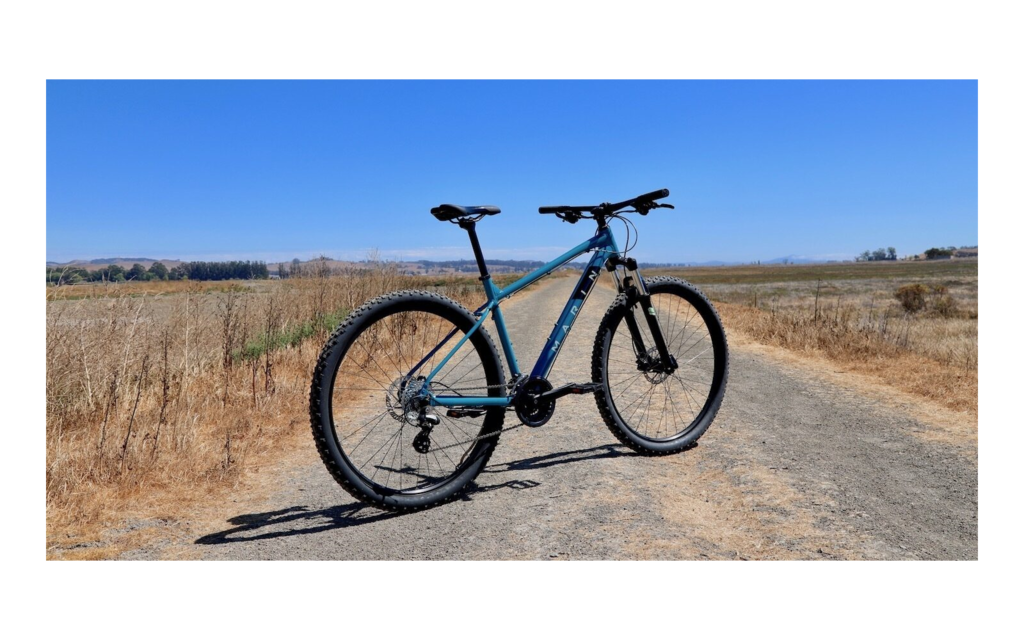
(489, 435)
(484, 437)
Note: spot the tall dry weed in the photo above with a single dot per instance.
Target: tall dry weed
(155, 399)
(898, 347)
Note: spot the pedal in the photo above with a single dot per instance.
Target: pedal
(466, 413)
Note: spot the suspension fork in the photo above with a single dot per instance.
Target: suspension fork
(635, 289)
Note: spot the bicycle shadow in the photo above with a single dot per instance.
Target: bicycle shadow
(562, 457)
(301, 520)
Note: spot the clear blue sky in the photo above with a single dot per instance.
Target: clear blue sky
(275, 170)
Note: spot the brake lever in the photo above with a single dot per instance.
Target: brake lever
(646, 207)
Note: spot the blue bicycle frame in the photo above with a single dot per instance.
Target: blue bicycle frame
(602, 244)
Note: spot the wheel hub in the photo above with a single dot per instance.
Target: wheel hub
(650, 365)
(406, 403)
(405, 397)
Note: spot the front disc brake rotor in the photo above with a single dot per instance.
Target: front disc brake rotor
(653, 371)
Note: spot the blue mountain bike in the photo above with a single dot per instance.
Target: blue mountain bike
(410, 396)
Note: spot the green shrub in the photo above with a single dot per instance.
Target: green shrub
(254, 349)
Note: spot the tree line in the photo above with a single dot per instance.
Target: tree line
(940, 252)
(231, 270)
(890, 253)
(318, 267)
(878, 254)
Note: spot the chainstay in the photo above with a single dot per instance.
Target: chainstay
(493, 434)
(489, 386)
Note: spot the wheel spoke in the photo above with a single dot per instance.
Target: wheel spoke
(370, 427)
(634, 387)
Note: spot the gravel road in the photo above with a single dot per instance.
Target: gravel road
(793, 467)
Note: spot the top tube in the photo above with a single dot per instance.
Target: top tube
(603, 240)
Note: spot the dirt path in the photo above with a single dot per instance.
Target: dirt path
(793, 467)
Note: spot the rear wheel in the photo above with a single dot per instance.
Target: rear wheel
(654, 412)
(373, 432)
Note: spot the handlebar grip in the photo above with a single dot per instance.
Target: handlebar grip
(551, 209)
(654, 195)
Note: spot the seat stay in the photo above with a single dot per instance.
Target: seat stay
(433, 351)
(457, 346)
(603, 245)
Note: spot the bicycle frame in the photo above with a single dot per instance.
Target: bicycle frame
(604, 247)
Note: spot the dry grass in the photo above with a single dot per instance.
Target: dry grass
(865, 349)
(756, 274)
(162, 396)
(151, 288)
(852, 314)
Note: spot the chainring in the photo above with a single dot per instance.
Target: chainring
(530, 409)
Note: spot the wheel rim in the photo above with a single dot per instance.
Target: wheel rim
(662, 407)
(373, 413)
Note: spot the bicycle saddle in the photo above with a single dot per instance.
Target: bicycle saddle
(447, 212)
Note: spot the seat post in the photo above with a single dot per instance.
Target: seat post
(470, 227)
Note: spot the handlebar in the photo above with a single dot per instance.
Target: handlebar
(565, 209)
(647, 197)
(642, 204)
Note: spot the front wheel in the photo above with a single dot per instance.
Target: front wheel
(649, 410)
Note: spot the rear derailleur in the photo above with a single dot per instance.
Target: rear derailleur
(406, 403)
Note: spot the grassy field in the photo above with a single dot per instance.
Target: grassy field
(850, 314)
(164, 395)
(839, 271)
(153, 288)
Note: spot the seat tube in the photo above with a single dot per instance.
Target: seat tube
(492, 297)
(506, 342)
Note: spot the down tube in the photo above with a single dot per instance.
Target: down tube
(546, 360)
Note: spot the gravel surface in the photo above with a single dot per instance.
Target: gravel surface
(793, 467)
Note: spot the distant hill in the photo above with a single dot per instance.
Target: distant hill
(790, 260)
(494, 266)
(709, 263)
(411, 267)
(107, 261)
(125, 263)
(423, 267)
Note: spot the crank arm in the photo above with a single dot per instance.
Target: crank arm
(571, 388)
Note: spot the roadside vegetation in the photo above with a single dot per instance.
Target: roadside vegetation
(914, 325)
(163, 395)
